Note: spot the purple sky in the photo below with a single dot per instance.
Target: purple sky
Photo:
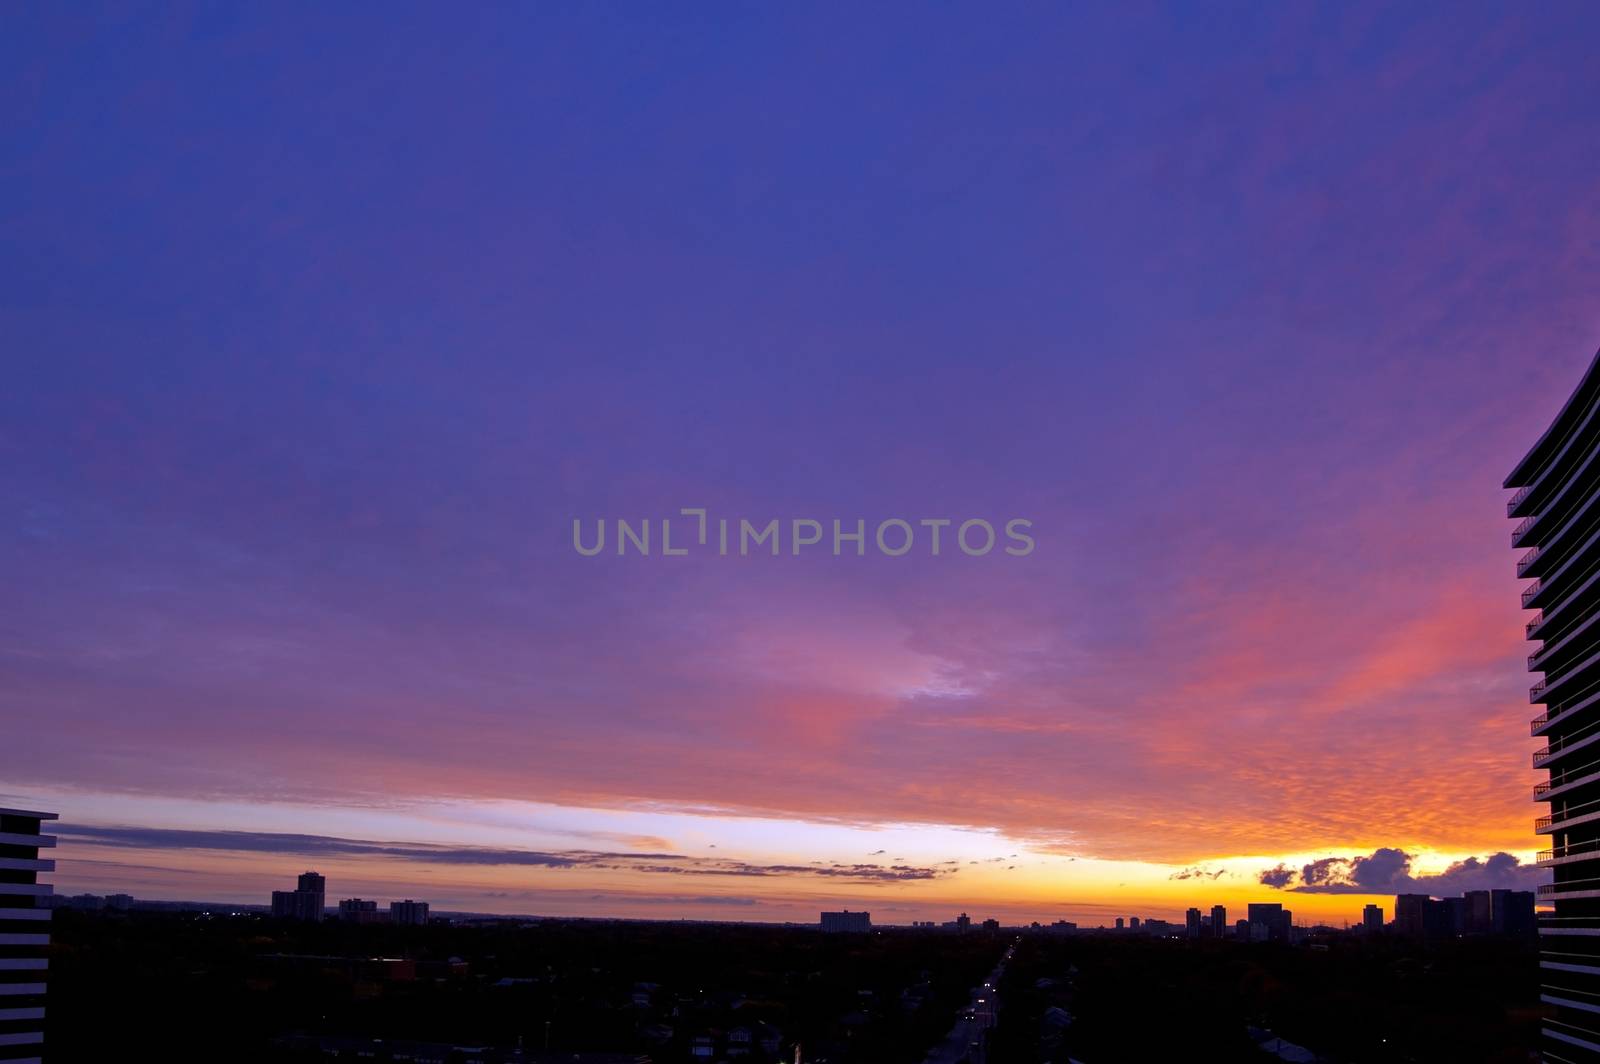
(321, 326)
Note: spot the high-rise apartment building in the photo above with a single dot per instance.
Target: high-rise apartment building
(359, 911)
(1272, 918)
(1557, 507)
(408, 912)
(306, 902)
(1219, 921)
(24, 934)
(1372, 919)
(847, 921)
(1409, 913)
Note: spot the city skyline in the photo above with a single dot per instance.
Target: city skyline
(311, 367)
(1330, 903)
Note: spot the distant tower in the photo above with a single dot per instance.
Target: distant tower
(847, 921)
(1372, 919)
(305, 902)
(24, 907)
(1191, 920)
(1219, 921)
(1272, 920)
(408, 912)
(358, 911)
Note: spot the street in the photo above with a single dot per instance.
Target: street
(966, 1039)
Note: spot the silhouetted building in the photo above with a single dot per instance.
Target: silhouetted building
(1477, 913)
(1272, 917)
(1219, 921)
(991, 925)
(360, 911)
(1441, 918)
(1191, 922)
(24, 931)
(847, 921)
(1119, 923)
(1511, 912)
(963, 922)
(1556, 503)
(1133, 923)
(1408, 914)
(408, 912)
(1372, 919)
(306, 902)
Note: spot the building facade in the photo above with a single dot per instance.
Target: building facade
(1557, 507)
(360, 911)
(25, 913)
(1269, 921)
(847, 921)
(306, 902)
(408, 912)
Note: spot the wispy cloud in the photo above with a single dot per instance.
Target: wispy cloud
(143, 838)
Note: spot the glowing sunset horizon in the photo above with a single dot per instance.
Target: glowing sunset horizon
(322, 377)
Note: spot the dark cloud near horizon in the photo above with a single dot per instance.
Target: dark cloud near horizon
(332, 846)
(1387, 870)
(1198, 873)
(1280, 876)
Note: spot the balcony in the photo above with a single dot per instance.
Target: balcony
(1522, 530)
(1529, 628)
(1535, 657)
(1583, 698)
(1572, 814)
(1583, 738)
(1564, 689)
(1531, 592)
(1571, 777)
(1592, 847)
(1516, 500)
(1570, 1034)
(1525, 562)
(1573, 887)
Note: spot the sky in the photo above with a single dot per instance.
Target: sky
(321, 327)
